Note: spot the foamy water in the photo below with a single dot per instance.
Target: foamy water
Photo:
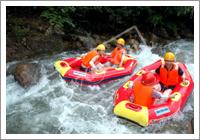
(53, 106)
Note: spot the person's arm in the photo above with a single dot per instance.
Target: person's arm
(157, 71)
(92, 62)
(181, 73)
(122, 60)
(83, 55)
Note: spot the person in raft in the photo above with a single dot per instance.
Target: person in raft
(118, 54)
(143, 89)
(169, 73)
(148, 88)
(91, 60)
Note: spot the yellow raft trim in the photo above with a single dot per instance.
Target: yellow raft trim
(60, 69)
(120, 68)
(141, 117)
(126, 58)
(176, 96)
(185, 85)
(139, 73)
(100, 72)
(126, 85)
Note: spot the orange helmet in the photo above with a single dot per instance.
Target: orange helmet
(149, 79)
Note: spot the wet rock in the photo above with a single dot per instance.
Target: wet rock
(45, 44)
(176, 35)
(33, 47)
(27, 74)
(87, 42)
(172, 126)
(186, 33)
(11, 69)
(192, 125)
(134, 44)
(74, 132)
(150, 38)
(52, 74)
(153, 40)
(161, 32)
(10, 52)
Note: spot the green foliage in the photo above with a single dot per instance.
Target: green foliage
(156, 20)
(59, 16)
(180, 11)
(109, 19)
(20, 33)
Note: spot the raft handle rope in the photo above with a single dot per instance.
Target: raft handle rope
(185, 84)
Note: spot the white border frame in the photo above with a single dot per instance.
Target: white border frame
(99, 3)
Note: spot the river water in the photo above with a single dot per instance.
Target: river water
(55, 107)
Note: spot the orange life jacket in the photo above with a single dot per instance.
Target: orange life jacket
(86, 60)
(142, 94)
(117, 55)
(171, 77)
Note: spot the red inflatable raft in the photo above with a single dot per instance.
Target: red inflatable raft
(125, 107)
(69, 69)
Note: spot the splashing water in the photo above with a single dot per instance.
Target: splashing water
(53, 106)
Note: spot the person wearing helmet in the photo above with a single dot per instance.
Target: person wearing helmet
(169, 73)
(143, 89)
(90, 61)
(118, 54)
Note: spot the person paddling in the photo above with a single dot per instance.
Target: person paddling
(117, 55)
(91, 61)
(169, 73)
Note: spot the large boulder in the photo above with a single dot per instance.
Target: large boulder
(27, 74)
(83, 42)
(154, 40)
(186, 33)
(32, 47)
(134, 44)
(161, 32)
(44, 44)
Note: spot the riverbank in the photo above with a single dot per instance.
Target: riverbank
(31, 37)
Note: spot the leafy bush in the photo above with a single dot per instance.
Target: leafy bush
(20, 33)
(59, 16)
(109, 19)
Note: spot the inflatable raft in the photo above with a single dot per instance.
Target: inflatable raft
(69, 69)
(125, 107)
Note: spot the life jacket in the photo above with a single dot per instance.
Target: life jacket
(171, 77)
(86, 60)
(142, 94)
(116, 55)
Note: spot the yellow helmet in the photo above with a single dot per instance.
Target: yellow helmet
(169, 56)
(121, 41)
(101, 47)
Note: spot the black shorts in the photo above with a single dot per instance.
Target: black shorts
(163, 87)
(85, 69)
